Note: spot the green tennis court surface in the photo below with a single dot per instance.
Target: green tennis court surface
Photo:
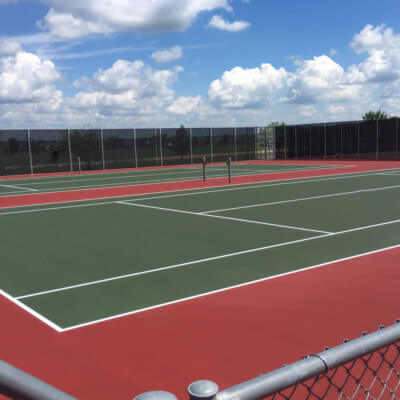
(124, 178)
(86, 261)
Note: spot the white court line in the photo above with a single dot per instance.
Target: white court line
(302, 199)
(120, 177)
(31, 311)
(78, 176)
(197, 191)
(155, 181)
(388, 173)
(255, 250)
(18, 187)
(221, 217)
(73, 327)
(236, 170)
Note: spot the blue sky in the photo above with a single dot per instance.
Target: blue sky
(142, 63)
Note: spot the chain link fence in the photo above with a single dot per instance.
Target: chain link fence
(367, 368)
(40, 151)
(370, 140)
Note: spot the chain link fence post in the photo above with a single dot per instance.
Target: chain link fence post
(30, 151)
(69, 150)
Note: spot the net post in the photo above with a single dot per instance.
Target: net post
(204, 168)
(229, 162)
(295, 142)
(79, 164)
(325, 147)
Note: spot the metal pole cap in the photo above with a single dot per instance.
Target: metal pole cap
(156, 395)
(203, 390)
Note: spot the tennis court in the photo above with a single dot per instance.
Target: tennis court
(80, 263)
(89, 180)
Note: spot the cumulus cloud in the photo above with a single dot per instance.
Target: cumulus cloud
(9, 48)
(128, 88)
(320, 79)
(383, 62)
(219, 23)
(247, 88)
(75, 18)
(26, 78)
(164, 56)
(184, 105)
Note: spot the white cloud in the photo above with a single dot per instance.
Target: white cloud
(9, 48)
(184, 105)
(75, 18)
(67, 26)
(308, 111)
(383, 62)
(219, 23)
(164, 56)
(127, 88)
(321, 80)
(333, 52)
(247, 88)
(26, 78)
(132, 93)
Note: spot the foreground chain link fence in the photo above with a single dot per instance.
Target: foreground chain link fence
(367, 368)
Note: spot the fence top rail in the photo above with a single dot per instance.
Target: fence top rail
(311, 366)
(18, 384)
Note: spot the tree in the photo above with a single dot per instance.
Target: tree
(375, 115)
(277, 123)
(182, 144)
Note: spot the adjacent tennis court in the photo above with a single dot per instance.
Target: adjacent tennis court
(74, 264)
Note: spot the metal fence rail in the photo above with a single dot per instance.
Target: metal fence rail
(364, 368)
(19, 385)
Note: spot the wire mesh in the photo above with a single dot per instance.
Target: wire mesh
(14, 152)
(201, 144)
(148, 147)
(50, 152)
(86, 144)
(373, 376)
(175, 146)
(246, 143)
(119, 148)
(223, 144)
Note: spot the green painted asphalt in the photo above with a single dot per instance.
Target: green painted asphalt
(125, 178)
(58, 247)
